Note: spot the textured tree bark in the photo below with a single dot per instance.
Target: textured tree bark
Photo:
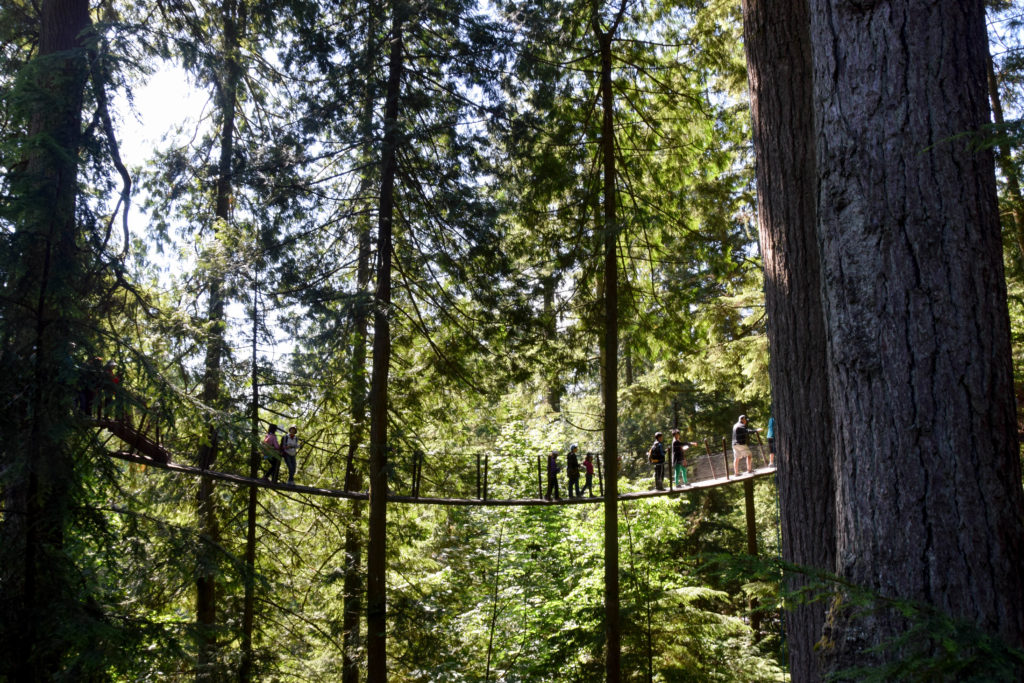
(376, 561)
(928, 480)
(777, 39)
(41, 320)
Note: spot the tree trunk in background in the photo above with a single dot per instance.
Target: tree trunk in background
(777, 40)
(1006, 165)
(216, 350)
(249, 602)
(41, 301)
(610, 351)
(928, 480)
(352, 608)
(552, 381)
(353, 585)
(376, 561)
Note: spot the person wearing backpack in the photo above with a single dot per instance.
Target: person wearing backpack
(572, 471)
(740, 445)
(289, 447)
(656, 454)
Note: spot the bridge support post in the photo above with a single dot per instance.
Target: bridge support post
(540, 480)
(748, 497)
(725, 457)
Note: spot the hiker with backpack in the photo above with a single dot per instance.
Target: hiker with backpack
(656, 455)
(740, 444)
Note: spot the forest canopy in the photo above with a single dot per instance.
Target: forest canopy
(442, 239)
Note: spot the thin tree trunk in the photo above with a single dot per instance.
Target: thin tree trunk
(610, 350)
(494, 605)
(249, 605)
(748, 504)
(777, 42)
(929, 499)
(376, 563)
(40, 306)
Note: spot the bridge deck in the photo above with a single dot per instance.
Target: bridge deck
(424, 500)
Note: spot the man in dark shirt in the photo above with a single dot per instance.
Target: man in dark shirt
(572, 471)
(740, 443)
(657, 457)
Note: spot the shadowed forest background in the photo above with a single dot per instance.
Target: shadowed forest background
(431, 233)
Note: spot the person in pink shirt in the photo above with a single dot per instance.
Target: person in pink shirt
(588, 466)
(272, 454)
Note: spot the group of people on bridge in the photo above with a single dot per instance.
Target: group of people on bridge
(572, 471)
(659, 458)
(274, 450)
(741, 435)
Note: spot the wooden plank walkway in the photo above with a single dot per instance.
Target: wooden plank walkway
(424, 500)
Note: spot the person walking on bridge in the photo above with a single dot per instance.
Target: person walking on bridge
(289, 447)
(588, 465)
(679, 449)
(572, 470)
(656, 454)
(740, 444)
(272, 453)
(553, 470)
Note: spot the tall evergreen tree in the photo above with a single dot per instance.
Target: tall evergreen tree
(779, 68)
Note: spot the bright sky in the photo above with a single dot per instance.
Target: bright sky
(162, 105)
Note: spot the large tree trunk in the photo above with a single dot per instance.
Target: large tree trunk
(376, 561)
(39, 310)
(216, 350)
(777, 40)
(928, 480)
